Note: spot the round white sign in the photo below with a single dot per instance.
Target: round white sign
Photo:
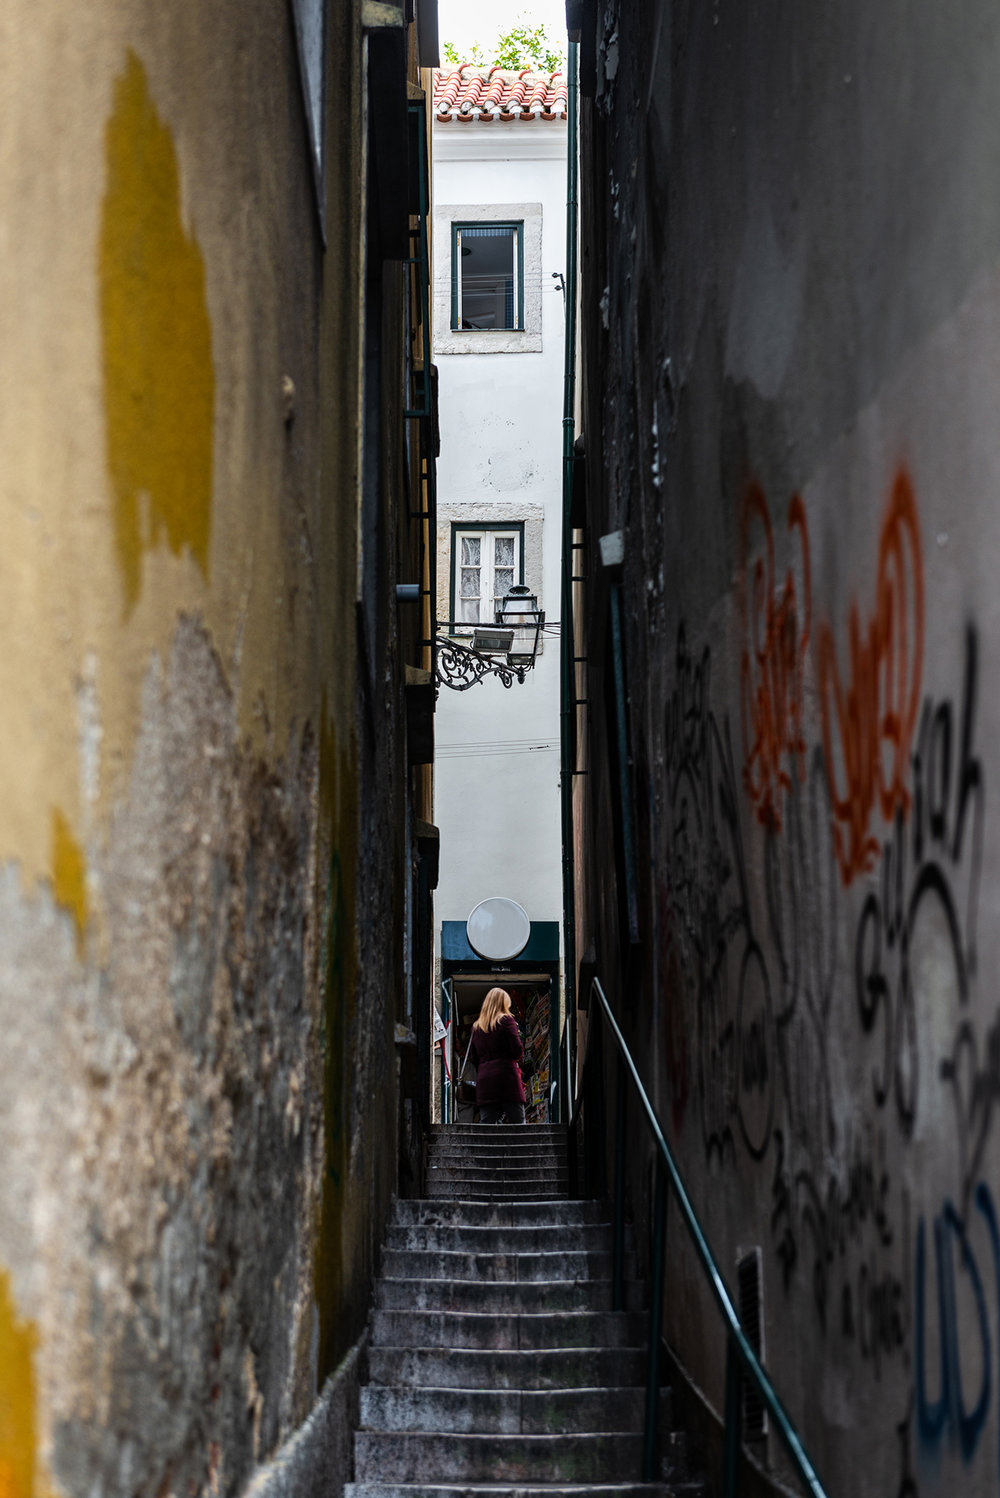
(498, 929)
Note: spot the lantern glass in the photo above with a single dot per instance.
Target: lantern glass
(492, 641)
(520, 612)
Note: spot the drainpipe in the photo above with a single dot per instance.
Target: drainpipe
(567, 634)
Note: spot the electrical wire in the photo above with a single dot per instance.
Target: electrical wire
(473, 750)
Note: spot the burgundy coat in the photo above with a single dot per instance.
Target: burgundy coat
(496, 1054)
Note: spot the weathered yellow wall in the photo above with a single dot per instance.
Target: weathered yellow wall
(159, 282)
(178, 835)
(17, 1401)
(156, 341)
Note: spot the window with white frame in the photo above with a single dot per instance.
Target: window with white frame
(487, 560)
(487, 277)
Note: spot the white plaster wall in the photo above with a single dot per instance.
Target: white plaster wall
(497, 757)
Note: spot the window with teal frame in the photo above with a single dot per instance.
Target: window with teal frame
(487, 280)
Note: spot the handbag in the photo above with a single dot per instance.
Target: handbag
(466, 1090)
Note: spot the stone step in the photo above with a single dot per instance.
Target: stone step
(491, 1159)
(493, 1368)
(471, 1196)
(508, 1412)
(512, 1490)
(510, 1143)
(465, 1191)
(589, 1238)
(511, 1264)
(503, 1136)
(492, 1149)
(487, 1178)
(498, 1131)
(470, 1164)
(475, 1329)
(410, 1456)
(510, 1170)
(511, 1297)
(558, 1212)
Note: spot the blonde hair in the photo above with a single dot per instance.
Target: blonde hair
(495, 1005)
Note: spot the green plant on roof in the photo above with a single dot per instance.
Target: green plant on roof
(523, 46)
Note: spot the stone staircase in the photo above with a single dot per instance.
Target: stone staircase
(496, 1364)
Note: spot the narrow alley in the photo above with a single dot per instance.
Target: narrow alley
(499, 500)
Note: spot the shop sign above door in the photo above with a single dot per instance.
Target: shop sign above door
(498, 929)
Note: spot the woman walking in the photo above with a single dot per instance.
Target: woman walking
(496, 1050)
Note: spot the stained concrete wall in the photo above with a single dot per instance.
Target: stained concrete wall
(197, 1081)
(790, 306)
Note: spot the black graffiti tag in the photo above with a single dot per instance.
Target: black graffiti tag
(893, 919)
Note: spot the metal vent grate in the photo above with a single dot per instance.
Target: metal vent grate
(749, 1283)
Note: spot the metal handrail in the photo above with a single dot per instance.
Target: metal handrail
(741, 1358)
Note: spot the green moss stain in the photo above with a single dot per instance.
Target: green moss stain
(69, 877)
(159, 382)
(17, 1400)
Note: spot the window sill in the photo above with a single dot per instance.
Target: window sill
(492, 341)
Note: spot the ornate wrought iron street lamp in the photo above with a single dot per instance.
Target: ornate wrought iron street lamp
(506, 649)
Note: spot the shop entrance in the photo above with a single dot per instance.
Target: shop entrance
(531, 998)
(532, 980)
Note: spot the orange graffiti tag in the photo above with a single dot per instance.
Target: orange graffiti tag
(771, 667)
(868, 729)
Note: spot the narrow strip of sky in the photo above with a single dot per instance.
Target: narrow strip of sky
(464, 22)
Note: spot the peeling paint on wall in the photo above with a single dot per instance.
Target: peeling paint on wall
(69, 876)
(158, 374)
(17, 1399)
(188, 1237)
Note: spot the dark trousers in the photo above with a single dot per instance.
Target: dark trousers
(492, 1113)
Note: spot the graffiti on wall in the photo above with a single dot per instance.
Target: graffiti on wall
(822, 895)
(776, 626)
(946, 1404)
(914, 907)
(710, 913)
(870, 712)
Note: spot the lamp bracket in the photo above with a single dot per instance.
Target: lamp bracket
(460, 667)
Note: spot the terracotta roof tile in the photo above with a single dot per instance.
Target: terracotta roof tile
(466, 93)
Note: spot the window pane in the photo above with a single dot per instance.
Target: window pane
(486, 276)
(469, 582)
(504, 554)
(503, 581)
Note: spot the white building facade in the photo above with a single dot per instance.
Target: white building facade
(499, 175)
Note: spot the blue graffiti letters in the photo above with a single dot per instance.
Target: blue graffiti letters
(947, 1413)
